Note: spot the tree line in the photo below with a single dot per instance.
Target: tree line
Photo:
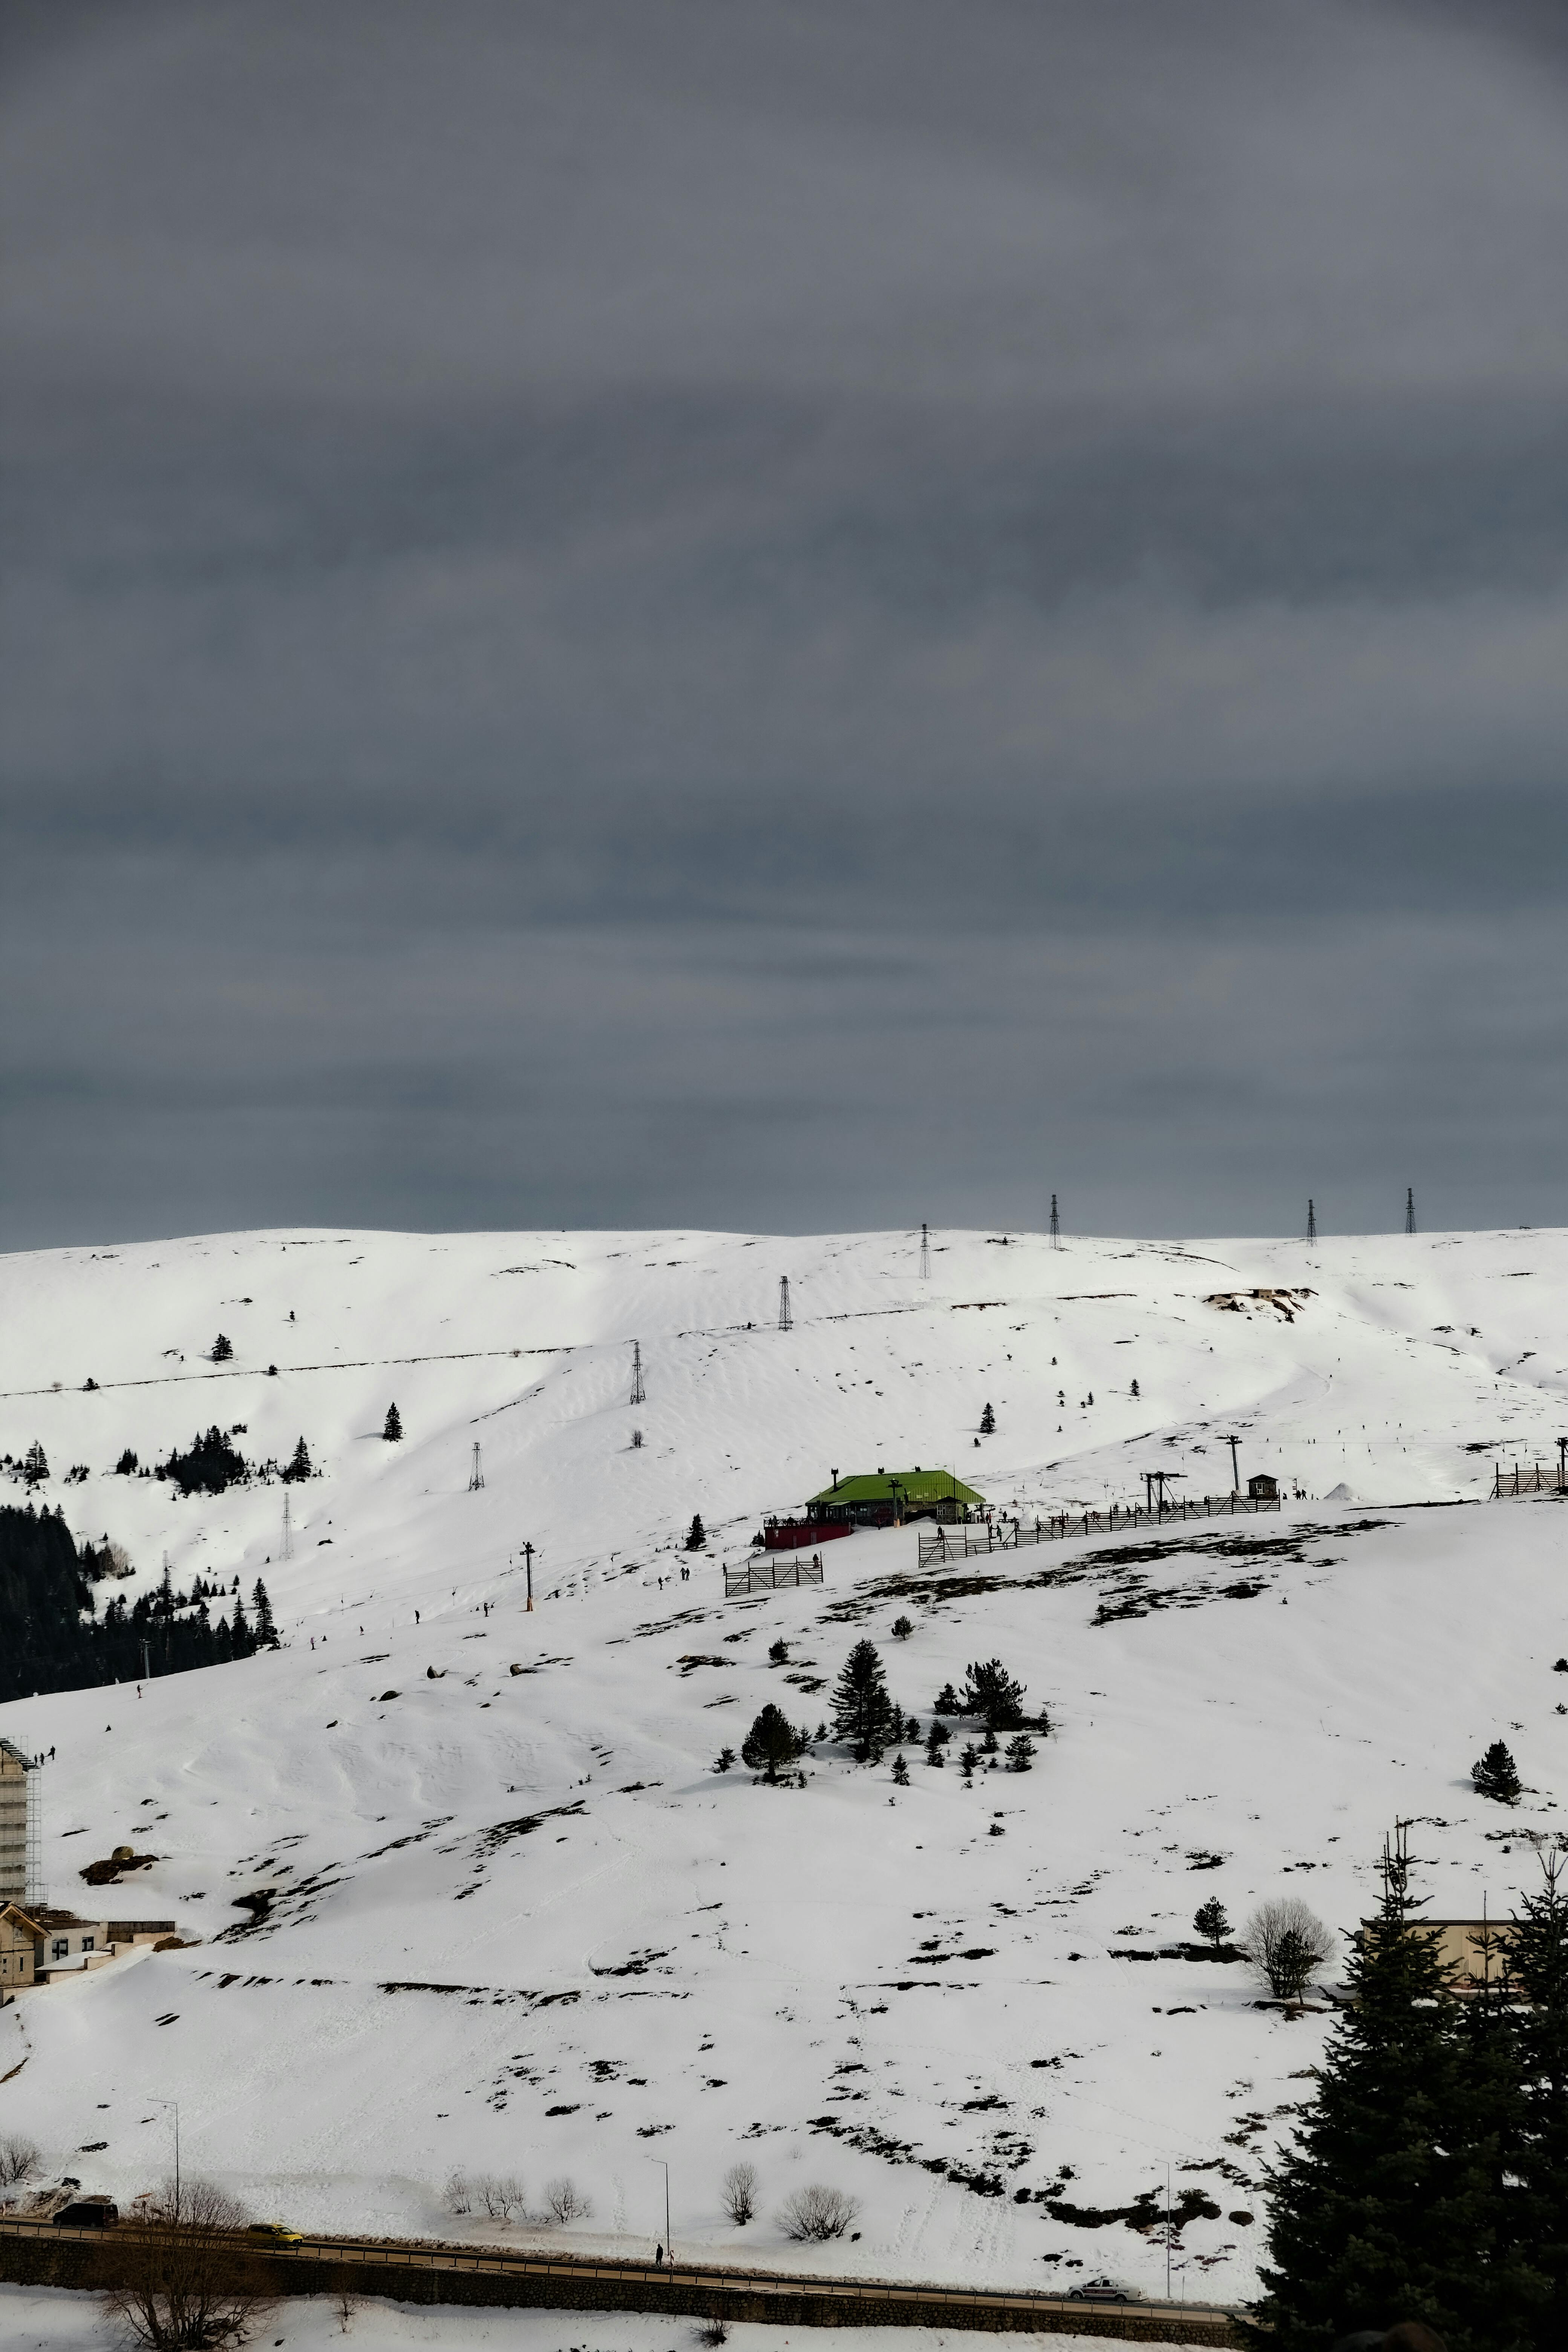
(52, 1636)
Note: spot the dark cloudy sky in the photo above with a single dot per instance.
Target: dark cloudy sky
(783, 612)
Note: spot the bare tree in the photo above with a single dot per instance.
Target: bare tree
(564, 2202)
(738, 2193)
(818, 2213)
(1286, 1944)
(188, 2284)
(19, 2160)
(501, 2194)
(459, 2193)
(714, 2332)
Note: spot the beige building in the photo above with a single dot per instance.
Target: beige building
(51, 1946)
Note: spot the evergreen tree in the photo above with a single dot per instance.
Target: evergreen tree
(1375, 2216)
(1020, 1753)
(222, 1349)
(900, 1771)
(391, 1427)
(862, 1710)
(298, 1465)
(697, 1534)
(771, 1742)
(725, 1760)
(987, 1422)
(1494, 1774)
(242, 1641)
(127, 1464)
(991, 1693)
(1211, 1922)
(1537, 1956)
(946, 1701)
(1494, 2283)
(35, 1466)
(265, 1631)
(937, 1738)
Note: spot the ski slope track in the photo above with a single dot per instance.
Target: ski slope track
(521, 1926)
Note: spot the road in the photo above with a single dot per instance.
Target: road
(588, 2283)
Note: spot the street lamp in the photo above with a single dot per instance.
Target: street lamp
(176, 2105)
(669, 2250)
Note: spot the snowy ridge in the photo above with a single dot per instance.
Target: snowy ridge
(520, 1926)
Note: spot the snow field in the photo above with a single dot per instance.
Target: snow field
(521, 1926)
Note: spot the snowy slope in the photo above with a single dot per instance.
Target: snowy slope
(556, 1941)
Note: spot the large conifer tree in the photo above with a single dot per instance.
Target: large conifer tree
(1366, 2204)
(862, 1710)
(1537, 1954)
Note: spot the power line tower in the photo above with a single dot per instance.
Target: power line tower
(1311, 1220)
(477, 1474)
(640, 1394)
(288, 1545)
(925, 1250)
(1410, 1207)
(1056, 1226)
(787, 1320)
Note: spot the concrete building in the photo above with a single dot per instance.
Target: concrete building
(19, 1808)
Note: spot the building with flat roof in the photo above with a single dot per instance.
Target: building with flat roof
(18, 1809)
(886, 1499)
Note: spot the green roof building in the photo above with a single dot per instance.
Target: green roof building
(883, 1498)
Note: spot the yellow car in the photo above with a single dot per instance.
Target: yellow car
(274, 2233)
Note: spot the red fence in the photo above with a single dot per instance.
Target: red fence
(794, 1535)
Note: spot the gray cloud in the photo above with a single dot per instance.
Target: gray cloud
(595, 592)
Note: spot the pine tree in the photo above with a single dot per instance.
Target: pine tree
(222, 1349)
(1537, 1956)
(771, 1742)
(900, 1771)
(937, 1738)
(35, 1466)
(1494, 2284)
(391, 1427)
(697, 1534)
(298, 1465)
(1366, 2203)
(265, 1631)
(987, 1422)
(1020, 1753)
(242, 1641)
(991, 1693)
(1210, 1921)
(1494, 1774)
(862, 1710)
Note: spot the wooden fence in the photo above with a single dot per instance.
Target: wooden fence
(769, 1576)
(1003, 1534)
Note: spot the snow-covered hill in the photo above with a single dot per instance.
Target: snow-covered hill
(555, 1941)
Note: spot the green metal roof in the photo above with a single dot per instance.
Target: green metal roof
(915, 1486)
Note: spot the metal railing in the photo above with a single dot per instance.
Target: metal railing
(1003, 1534)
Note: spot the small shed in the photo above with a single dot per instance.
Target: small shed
(1262, 1489)
(887, 1498)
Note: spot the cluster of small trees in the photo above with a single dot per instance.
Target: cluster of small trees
(865, 1715)
(213, 1462)
(813, 2212)
(1429, 2179)
(499, 2195)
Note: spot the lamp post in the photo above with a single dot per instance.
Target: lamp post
(176, 2105)
(528, 1559)
(669, 2250)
